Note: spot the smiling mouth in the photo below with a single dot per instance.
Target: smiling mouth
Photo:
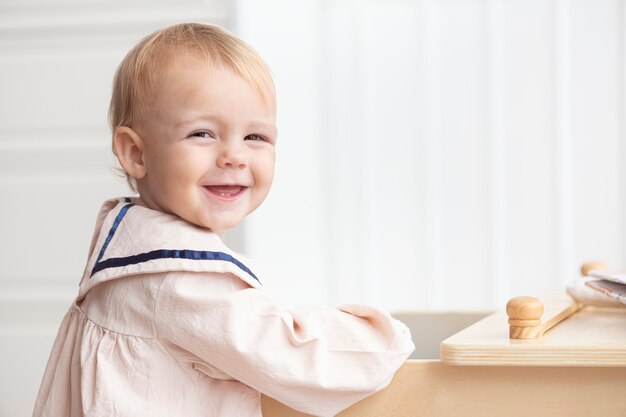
(226, 192)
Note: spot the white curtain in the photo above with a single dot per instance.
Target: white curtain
(441, 154)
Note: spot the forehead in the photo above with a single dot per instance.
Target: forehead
(195, 77)
(172, 64)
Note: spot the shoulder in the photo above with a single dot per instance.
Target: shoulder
(200, 284)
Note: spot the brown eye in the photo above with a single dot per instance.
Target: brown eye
(255, 137)
(202, 134)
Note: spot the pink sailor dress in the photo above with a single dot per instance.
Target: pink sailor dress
(169, 322)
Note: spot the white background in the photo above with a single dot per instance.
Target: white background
(433, 154)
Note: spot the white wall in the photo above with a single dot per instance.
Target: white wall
(56, 64)
(433, 154)
(441, 154)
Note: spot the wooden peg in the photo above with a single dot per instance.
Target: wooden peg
(525, 317)
(591, 266)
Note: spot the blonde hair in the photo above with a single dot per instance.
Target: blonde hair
(136, 78)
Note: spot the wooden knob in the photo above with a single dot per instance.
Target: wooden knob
(590, 266)
(524, 317)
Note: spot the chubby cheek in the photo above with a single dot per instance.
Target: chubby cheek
(269, 178)
(177, 185)
(184, 170)
(268, 170)
(263, 179)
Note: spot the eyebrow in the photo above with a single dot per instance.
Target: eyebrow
(264, 126)
(197, 118)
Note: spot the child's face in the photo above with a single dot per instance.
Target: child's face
(208, 145)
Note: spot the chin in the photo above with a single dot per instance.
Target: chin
(220, 228)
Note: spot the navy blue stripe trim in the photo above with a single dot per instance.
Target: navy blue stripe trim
(169, 254)
(116, 223)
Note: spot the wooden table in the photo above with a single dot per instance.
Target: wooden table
(577, 368)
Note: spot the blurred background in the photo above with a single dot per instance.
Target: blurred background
(434, 155)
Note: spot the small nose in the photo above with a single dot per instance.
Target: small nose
(232, 156)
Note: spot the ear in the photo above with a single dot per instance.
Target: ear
(129, 150)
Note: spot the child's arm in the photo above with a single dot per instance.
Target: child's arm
(315, 359)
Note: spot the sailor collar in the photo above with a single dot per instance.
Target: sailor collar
(131, 239)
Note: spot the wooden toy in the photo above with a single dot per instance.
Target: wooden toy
(525, 317)
(592, 266)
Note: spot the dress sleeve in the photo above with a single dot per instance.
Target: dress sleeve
(315, 359)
